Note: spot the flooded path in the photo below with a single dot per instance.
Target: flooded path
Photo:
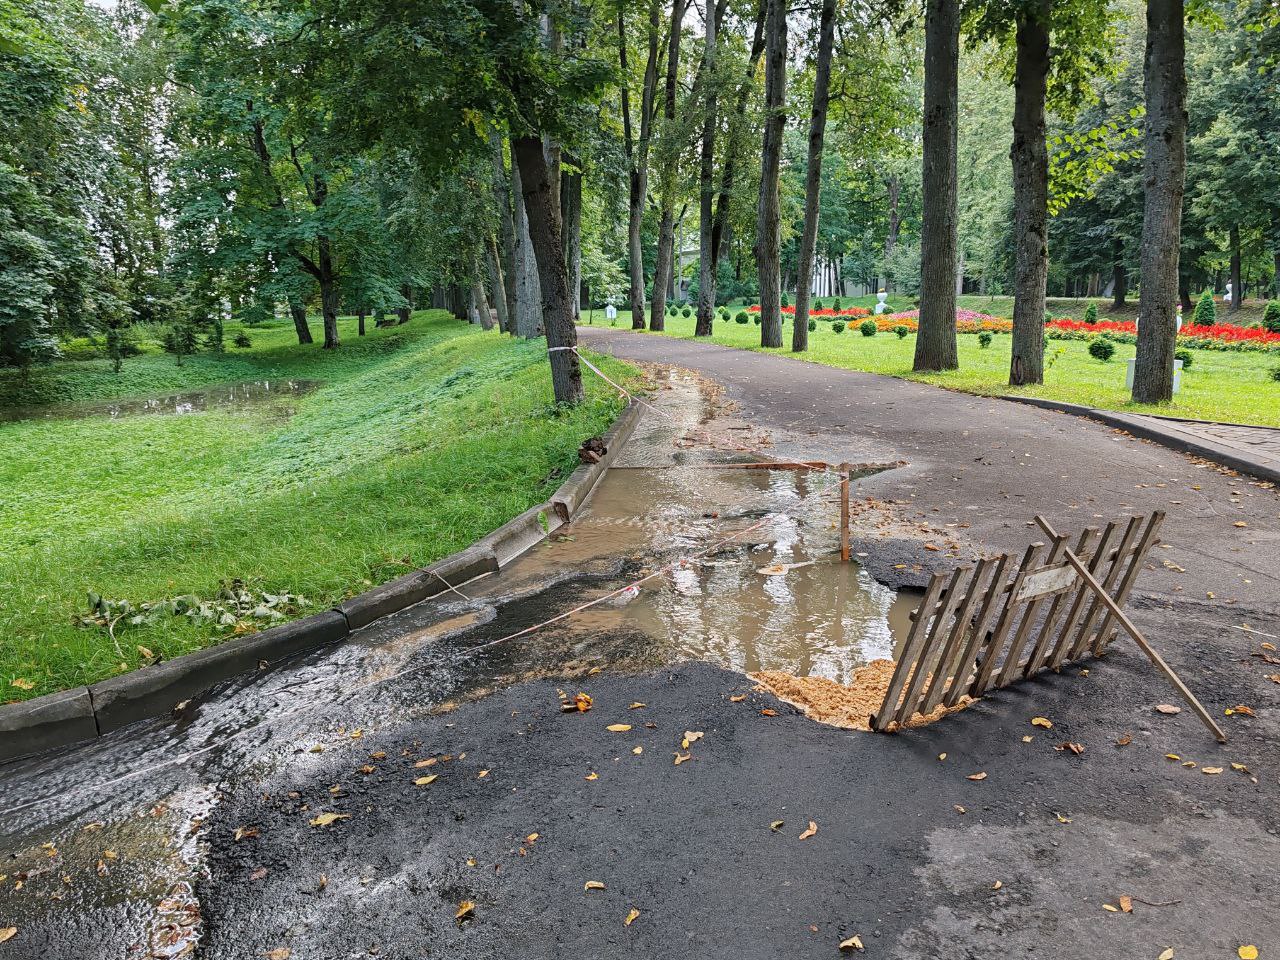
(231, 396)
(110, 834)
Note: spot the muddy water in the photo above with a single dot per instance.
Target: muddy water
(773, 595)
(227, 396)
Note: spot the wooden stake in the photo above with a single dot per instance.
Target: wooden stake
(844, 512)
(1138, 638)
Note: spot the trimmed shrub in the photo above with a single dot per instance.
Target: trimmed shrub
(835, 304)
(1271, 316)
(242, 340)
(1091, 313)
(1206, 313)
(817, 304)
(868, 328)
(686, 313)
(837, 326)
(755, 317)
(813, 324)
(984, 339)
(671, 310)
(786, 301)
(902, 330)
(1101, 348)
(742, 317)
(1274, 374)
(1186, 356)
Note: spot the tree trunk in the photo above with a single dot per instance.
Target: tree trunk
(638, 155)
(936, 339)
(528, 295)
(1119, 276)
(667, 170)
(1164, 171)
(500, 184)
(1275, 252)
(497, 284)
(479, 301)
(545, 232)
(360, 315)
(402, 313)
(893, 188)
(1030, 158)
(571, 214)
(813, 176)
(768, 241)
(706, 183)
(328, 294)
(1237, 286)
(299, 313)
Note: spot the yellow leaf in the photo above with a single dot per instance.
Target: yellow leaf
(423, 781)
(1027, 739)
(7, 933)
(326, 819)
(1126, 903)
(592, 776)
(942, 756)
(1239, 523)
(682, 757)
(618, 727)
(1210, 771)
(1042, 722)
(1172, 756)
(1167, 708)
(242, 833)
(997, 885)
(690, 736)
(958, 808)
(145, 652)
(583, 702)
(532, 838)
(22, 683)
(1110, 909)
(429, 762)
(980, 775)
(813, 828)
(1247, 952)
(637, 706)
(738, 698)
(482, 774)
(466, 909)
(853, 943)
(1240, 767)
(637, 750)
(1166, 955)
(769, 712)
(1061, 818)
(777, 825)
(632, 915)
(593, 885)
(279, 953)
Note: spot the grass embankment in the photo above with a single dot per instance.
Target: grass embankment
(421, 439)
(1221, 385)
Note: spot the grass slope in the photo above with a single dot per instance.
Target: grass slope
(421, 439)
(1220, 385)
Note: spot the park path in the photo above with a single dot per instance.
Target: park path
(318, 834)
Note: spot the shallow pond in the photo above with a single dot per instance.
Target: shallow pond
(226, 396)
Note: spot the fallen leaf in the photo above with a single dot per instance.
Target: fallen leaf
(618, 727)
(997, 885)
(637, 705)
(1240, 767)
(1124, 740)
(1042, 722)
(632, 915)
(690, 736)
(980, 775)
(532, 838)
(259, 874)
(637, 750)
(777, 825)
(1241, 708)
(1210, 771)
(1076, 748)
(682, 757)
(592, 776)
(1126, 903)
(7, 933)
(326, 819)
(1172, 756)
(1110, 909)
(367, 768)
(429, 762)
(1166, 955)
(1027, 739)
(22, 683)
(593, 885)
(279, 953)
(738, 698)
(242, 833)
(1061, 818)
(853, 943)
(1239, 523)
(958, 808)
(466, 910)
(482, 774)
(583, 702)
(1247, 952)
(1167, 708)
(423, 781)
(769, 713)
(813, 828)
(942, 756)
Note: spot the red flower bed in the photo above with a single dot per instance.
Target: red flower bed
(827, 312)
(1215, 334)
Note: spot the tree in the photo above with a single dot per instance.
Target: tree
(668, 161)
(768, 216)
(936, 347)
(706, 180)
(637, 150)
(1164, 171)
(813, 176)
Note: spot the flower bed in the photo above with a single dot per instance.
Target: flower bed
(828, 312)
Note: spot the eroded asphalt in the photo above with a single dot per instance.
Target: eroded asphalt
(909, 854)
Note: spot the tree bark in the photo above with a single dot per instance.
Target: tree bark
(1119, 276)
(501, 187)
(893, 192)
(1237, 287)
(670, 156)
(1164, 172)
(936, 340)
(496, 283)
(706, 183)
(768, 240)
(1030, 157)
(328, 294)
(1275, 252)
(571, 214)
(403, 313)
(546, 236)
(813, 176)
(360, 315)
(528, 295)
(638, 155)
(299, 313)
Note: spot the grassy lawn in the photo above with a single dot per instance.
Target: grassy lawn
(1220, 385)
(419, 439)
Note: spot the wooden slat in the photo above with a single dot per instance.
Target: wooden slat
(1149, 537)
(996, 644)
(929, 653)
(906, 658)
(1036, 658)
(964, 663)
(946, 667)
(1014, 656)
(1097, 606)
(1062, 646)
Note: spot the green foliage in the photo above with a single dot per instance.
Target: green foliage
(786, 300)
(1271, 316)
(1091, 313)
(1102, 348)
(242, 340)
(817, 304)
(901, 330)
(686, 312)
(835, 304)
(1274, 374)
(984, 339)
(755, 318)
(837, 326)
(1186, 356)
(181, 341)
(742, 317)
(868, 328)
(1206, 312)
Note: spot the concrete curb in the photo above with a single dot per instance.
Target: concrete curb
(69, 716)
(1143, 429)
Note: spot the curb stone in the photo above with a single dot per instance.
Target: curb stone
(1147, 431)
(70, 716)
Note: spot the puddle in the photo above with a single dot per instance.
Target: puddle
(228, 396)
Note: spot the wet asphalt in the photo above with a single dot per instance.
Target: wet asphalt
(909, 854)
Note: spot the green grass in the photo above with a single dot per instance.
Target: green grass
(1221, 385)
(422, 438)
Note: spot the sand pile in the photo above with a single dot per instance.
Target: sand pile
(849, 707)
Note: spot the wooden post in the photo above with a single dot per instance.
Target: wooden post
(1138, 638)
(844, 512)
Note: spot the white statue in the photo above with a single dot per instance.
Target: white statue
(1226, 297)
(881, 306)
